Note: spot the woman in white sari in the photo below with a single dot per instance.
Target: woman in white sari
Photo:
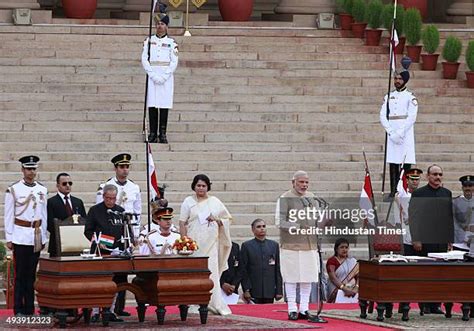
(206, 220)
(343, 272)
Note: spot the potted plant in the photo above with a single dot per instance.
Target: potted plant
(451, 53)
(345, 18)
(430, 38)
(374, 21)
(421, 5)
(235, 10)
(387, 19)
(79, 8)
(5, 264)
(412, 27)
(470, 64)
(358, 12)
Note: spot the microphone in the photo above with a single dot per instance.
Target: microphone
(114, 212)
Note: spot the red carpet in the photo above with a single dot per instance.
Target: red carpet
(278, 312)
(275, 312)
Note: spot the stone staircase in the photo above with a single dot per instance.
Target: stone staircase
(252, 105)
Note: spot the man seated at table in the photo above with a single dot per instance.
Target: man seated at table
(104, 219)
(159, 241)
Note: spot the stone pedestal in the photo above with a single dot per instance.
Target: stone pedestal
(11, 4)
(459, 10)
(310, 7)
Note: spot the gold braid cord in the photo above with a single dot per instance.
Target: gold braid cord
(20, 204)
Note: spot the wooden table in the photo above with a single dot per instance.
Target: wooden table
(72, 282)
(386, 283)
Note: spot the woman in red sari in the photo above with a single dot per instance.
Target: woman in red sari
(343, 271)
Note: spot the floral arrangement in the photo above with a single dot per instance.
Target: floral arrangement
(185, 244)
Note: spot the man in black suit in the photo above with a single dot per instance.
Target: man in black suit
(105, 219)
(260, 267)
(230, 279)
(431, 221)
(62, 206)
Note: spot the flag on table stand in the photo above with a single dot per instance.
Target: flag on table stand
(154, 192)
(106, 240)
(366, 198)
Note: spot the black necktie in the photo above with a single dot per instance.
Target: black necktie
(68, 206)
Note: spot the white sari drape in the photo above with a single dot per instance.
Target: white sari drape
(213, 241)
(345, 273)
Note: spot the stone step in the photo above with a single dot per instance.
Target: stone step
(424, 123)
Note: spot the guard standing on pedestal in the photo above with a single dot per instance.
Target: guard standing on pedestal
(160, 64)
(399, 126)
(26, 222)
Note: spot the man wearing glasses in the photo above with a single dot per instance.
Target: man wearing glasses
(62, 206)
(129, 198)
(431, 220)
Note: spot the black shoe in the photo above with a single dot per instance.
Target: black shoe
(114, 318)
(122, 313)
(95, 318)
(302, 316)
(293, 316)
(162, 138)
(316, 319)
(152, 138)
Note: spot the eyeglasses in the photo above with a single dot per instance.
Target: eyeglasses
(66, 183)
(260, 226)
(437, 174)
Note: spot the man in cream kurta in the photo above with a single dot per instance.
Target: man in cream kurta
(399, 126)
(298, 252)
(160, 64)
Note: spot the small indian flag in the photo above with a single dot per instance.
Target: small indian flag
(106, 240)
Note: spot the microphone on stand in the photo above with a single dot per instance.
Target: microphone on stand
(114, 212)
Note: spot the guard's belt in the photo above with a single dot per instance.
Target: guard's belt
(399, 117)
(159, 63)
(28, 224)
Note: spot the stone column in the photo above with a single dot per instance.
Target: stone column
(459, 10)
(308, 7)
(11, 4)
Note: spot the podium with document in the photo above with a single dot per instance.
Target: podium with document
(421, 281)
(73, 282)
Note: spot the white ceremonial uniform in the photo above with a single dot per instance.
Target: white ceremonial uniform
(160, 68)
(463, 211)
(128, 197)
(400, 126)
(401, 215)
(156, 241)
(27, 203)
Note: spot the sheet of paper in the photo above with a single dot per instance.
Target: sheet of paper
(341, 298)
(230, 299)
(203, 215)
(453, 255)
